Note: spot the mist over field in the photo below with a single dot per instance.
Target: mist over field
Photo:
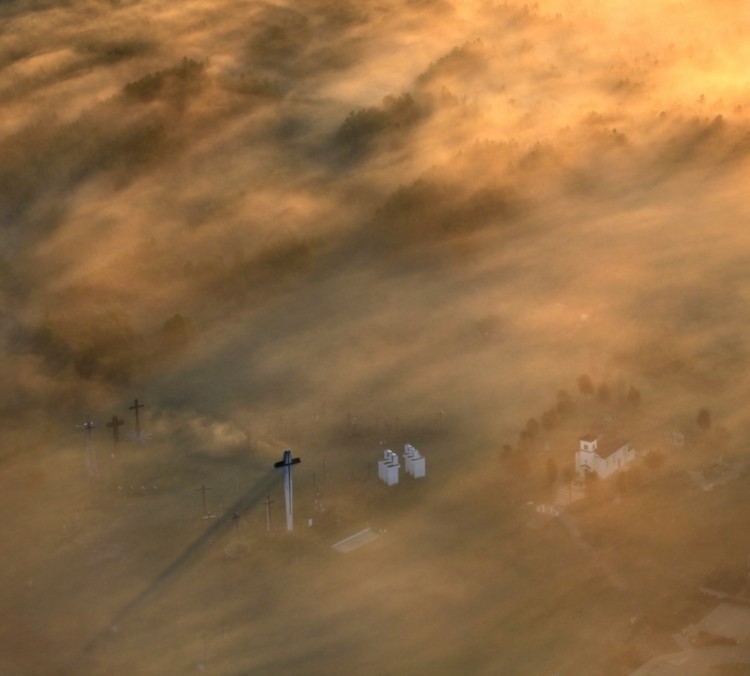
(342, 227)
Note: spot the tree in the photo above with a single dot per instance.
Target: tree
(550, 471)
(549, 419)
(532, 428)
(622, 482)
(593, 485)
(506, 452)
(585, 385)
(362, 127)
(703, 419)
(634, 397)
(517, 464)
(635, 477)
(603, 394)
(565, 403)
(177, 331)
(523, 440)
(628, 480)
(654, 460)
(567, 475)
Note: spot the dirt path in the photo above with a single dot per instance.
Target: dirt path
(694, 662)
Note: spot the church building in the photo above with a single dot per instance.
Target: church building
(604, 455)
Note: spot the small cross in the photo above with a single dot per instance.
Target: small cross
(135, 408)
(115, 425)
(203, 490)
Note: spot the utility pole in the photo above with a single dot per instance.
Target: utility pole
(268, 513)
(87, 426)
(206, 513)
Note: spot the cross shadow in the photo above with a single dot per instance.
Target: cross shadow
(190, 555)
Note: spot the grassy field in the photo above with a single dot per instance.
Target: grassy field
(122, 574)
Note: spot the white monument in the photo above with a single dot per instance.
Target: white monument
(388, 468)
(414, 462)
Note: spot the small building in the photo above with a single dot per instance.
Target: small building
(552, 510)
(388, 468)
(603, 455)
(414, 462)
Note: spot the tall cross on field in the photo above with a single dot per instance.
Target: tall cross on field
(135, 408)
(115, 425)
(286, 464)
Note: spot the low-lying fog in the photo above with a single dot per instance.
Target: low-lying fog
(341, 227)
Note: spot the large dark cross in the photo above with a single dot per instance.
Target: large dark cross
(203, 490)
(115, 425)
(286, 463)
(135, 408)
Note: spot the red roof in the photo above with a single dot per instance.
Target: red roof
(589, 437)
(610, 445)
